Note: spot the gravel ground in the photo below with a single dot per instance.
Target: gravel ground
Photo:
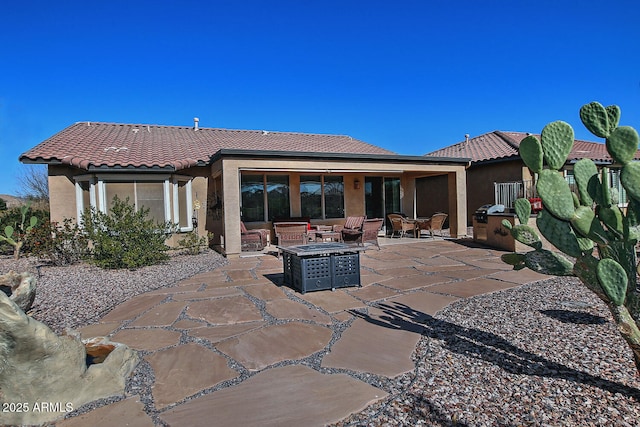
(78, 295)
(545, 354)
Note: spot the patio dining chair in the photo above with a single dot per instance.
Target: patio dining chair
(370, 229)
(437, 222)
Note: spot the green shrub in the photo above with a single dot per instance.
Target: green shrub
(194, 244)
(126, 238)
(58, 244)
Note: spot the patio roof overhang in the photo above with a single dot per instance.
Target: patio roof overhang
(352, 158)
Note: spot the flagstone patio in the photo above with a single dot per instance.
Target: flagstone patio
(236, 347)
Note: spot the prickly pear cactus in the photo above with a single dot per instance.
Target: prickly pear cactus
(15, 236)
(599, 237)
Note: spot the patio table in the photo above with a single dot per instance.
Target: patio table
(322, 236)
(321, 266)
(422, 224)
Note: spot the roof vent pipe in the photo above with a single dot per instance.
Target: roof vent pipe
(466, 137)
(195, 123)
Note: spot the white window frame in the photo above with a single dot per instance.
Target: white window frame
(98, 194)
(176, 206)
(80, 207)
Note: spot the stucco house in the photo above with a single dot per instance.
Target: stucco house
(498, 174)
(211, 179)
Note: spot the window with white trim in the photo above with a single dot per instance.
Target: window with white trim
(168, 198)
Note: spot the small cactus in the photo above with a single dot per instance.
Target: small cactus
(17, 239)
(589, 226)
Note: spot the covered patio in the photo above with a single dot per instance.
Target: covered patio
(256, 187)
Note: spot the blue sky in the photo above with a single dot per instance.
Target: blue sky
(409, 76)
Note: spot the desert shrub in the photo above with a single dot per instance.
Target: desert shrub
(192, 243)
(125, 237)
(59, 244)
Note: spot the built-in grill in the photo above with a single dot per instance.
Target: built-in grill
(480, 219)
(481, 214)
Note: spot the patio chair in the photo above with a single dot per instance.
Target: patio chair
(351, 230)
(401, 225)
(370, 229)
(253, 240)
(437, 222)
(291, 233)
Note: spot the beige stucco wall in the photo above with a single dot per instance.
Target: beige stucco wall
(62, 192)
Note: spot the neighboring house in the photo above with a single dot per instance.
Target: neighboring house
(211, 179)
(498, 175)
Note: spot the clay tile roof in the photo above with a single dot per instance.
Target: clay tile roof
(502, 145)
(89, 144)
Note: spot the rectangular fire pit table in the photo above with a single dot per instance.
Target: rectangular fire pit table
(321, 266)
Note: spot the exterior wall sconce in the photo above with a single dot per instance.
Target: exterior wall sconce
(356, 184)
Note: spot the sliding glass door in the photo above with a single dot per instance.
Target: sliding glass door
(382, 196)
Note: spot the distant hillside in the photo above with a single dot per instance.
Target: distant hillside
(12, 201)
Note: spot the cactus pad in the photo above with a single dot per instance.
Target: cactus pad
(587, 224)
(557, 140)
(585, 268)
(531, 152)
(514, 259)
(560, 234)
(547, 262)
(612, 218)
(526, 235)
(606, 190)
(622, 144)
(630, 178)
(595, 118)
(613, 114)
(523, 210)
(613, 280)
(585, 173)
(555, 194)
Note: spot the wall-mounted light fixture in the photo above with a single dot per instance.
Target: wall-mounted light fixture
(356, 184)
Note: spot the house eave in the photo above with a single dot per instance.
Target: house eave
(124, 169)
(352, 157)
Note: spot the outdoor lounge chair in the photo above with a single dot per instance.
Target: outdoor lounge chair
(291, 233)
(253, 240)
(401, 225)
(352, 229)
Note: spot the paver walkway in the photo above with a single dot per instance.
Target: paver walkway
(234, 347)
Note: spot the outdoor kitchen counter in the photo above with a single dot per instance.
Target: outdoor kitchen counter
(494, 234)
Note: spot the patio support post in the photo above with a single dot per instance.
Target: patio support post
(457, 186)
(231, 217)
